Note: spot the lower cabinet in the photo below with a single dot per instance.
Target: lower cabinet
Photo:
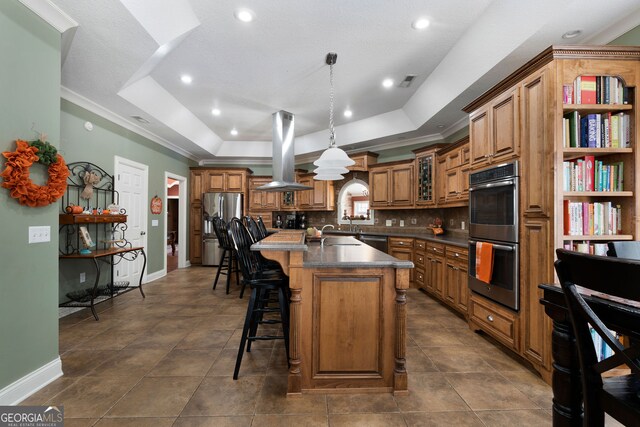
(445, 274)
(497, 321)
(434, 269)
(402, 248)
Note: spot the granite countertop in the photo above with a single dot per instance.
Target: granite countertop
(455, 239)
(348, 252)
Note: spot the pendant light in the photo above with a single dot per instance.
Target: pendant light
(332, 163)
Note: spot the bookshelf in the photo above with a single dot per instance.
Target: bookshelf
(598, 160)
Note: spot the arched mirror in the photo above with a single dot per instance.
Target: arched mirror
(353, 204)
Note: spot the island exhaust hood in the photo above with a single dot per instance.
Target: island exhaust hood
(283, 157)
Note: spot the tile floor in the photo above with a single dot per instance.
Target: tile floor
(167, 360)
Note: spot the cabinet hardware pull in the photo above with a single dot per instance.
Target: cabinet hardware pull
(490, 318)
(457, 254)
(401, 243)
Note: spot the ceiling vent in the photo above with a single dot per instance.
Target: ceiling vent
(407, 80)
(141, 119)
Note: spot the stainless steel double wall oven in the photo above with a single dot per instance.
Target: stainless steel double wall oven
(493, 218)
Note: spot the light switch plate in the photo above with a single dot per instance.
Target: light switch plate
(388, 223)
(40, 234)
(154, 222)
(402, 223)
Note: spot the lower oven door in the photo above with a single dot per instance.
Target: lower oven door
(504, 285)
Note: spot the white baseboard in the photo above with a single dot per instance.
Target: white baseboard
(188, 264)
(19, 390)
(156, 275)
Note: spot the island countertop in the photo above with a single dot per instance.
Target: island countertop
(337, 251)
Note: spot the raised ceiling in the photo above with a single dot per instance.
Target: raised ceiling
(126, 57)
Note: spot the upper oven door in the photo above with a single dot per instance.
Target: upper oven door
(493, 210)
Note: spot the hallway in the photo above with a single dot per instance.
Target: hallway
(168, 359)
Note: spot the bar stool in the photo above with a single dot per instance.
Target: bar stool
(228, 263)
(262, 283)
(262, 227)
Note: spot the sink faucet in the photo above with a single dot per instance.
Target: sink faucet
(322, 233)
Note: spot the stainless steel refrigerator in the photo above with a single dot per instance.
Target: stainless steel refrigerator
(224, 205)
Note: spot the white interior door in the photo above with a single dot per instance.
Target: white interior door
(131, 183)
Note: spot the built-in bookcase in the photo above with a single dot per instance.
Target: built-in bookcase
(598, 170)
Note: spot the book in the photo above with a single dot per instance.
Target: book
(588, 89)
(567, 94)
(589, 173)
(574, 131)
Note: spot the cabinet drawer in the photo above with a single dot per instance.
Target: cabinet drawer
(496, 321)
(455, 253)
(419, 277)
(418, 259)
(434, 248)
(420, 244)
(401, 242)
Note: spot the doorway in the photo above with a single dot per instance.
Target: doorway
(175, 224)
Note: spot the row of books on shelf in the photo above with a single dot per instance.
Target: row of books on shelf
(589, 174)
(593, 219)
(602, 349)
(604, 130)
(587, 248)
(596, 90)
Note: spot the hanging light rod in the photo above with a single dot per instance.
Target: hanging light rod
(332, 58)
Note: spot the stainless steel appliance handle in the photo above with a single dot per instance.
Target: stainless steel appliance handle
(493, 185)
(501, 247)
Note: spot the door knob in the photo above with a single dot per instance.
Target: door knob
(142, 233)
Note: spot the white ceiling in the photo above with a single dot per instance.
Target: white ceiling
(125, 59)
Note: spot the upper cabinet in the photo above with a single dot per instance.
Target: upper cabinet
(392, 185)
(363, 161)
(425, 168)
(320, 198)
(494, 130)
(226, 180)
(453, 174)
(262, 200)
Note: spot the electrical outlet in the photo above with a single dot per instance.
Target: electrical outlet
(402, 223)
(83, 277)
(393, 221)
(375, 221)
(322, 219)
(451, 222)
(414, 221)
(462, 225)
(388, 223)
(39, 234)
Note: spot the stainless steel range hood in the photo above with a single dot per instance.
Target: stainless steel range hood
(283, 157)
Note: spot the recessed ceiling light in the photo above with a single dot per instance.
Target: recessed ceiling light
(571, 34)
(440, 126)
(387, 83)
(420, 24)
(348, 113)
(234, 132)
(215, 112)
(186, 79)
(244, 15)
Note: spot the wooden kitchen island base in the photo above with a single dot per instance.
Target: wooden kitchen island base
(347, 318)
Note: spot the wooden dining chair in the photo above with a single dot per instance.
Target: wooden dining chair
(618, 396)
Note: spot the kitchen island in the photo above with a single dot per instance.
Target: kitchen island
(347, 314)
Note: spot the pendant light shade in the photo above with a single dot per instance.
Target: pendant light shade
(332, 163)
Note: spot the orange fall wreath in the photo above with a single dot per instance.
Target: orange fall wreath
(17, 180)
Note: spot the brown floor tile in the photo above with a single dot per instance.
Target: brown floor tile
(130, 362)
(473, 387)
(111, 339)
(254, 363)
(205, 338)
(526, 418)
(185, 363)
(442, 419)
(503, 361)
(92, 397)
(197, 310)
(458, 359)
(531, 386)
(76, 363)
(240, 421)
(262, 420)
(430, 392)
(80, 422)
(156, 397)
(278, 364)
(366, 402)
(273, 399)
(434, 337)
(366, 420)
(159, 339)
(135, 422)
(223, 321)
(234, 341)
(224, 396)
(418, 361)
(45, 394)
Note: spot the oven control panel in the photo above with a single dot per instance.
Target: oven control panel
(506, 170)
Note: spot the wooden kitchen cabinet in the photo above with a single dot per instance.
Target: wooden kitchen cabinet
(402, 248)
(419, 261)
(363, 161)
(494, 130)
(434, 269)
(391, 185)
(320, 198)
(262, 200)
(456, 287)
(226, 180)
(453, 174)
(425, 179)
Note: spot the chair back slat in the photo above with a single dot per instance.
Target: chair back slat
(220, 229)
(262, 228)
(253, 228)
(241, 242)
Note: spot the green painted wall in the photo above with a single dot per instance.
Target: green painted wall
(30, 88)
(630, 38)
(100, 146)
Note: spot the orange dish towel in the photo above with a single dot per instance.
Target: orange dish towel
(484, 261)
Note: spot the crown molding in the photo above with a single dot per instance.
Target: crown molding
(51, 14)
(87, 104)
(237, 161)
(455, 127)
(615, 30)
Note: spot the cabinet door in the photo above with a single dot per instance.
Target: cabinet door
(215, 181)
(451, 283)
(195, 235)
(235, 182)
(453, 184)
(505, 126)
(379, 187)
(438, 276)
(429, 266)
(425, 177)
(464, 183)
(462, 302)
(441, 182)
(319, 194)
(255, 197)
(196, 186)
(270, 200)
(304, 196)
(402, 185)
(479, 137)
